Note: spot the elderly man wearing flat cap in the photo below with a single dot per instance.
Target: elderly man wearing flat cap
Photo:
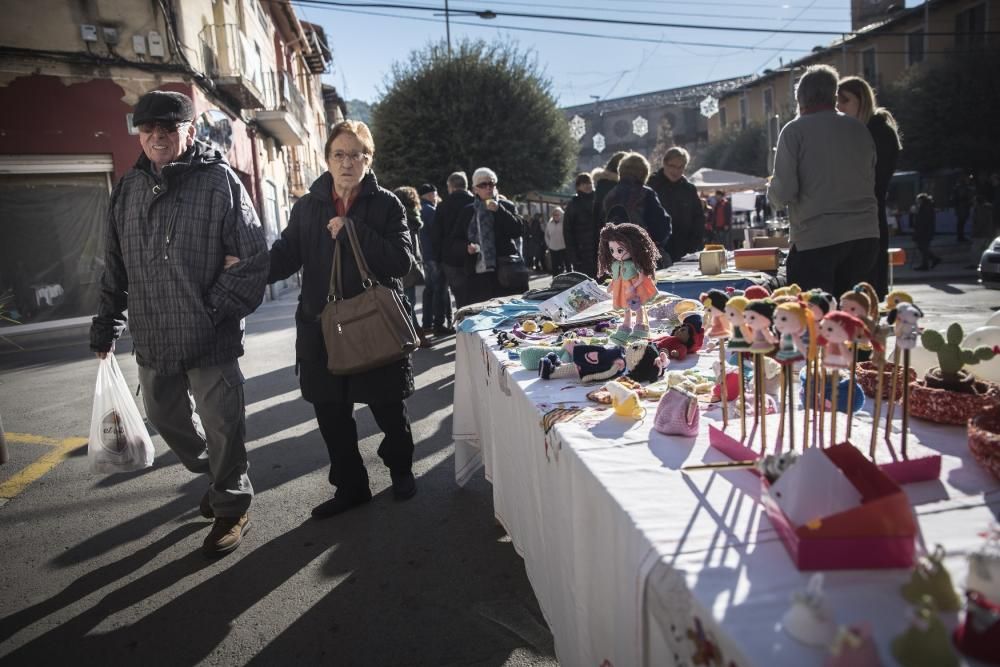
(173, 218)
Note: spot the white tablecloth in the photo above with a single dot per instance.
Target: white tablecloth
(635, 563)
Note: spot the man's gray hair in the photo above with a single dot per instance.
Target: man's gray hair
(818, 86)
(458, 181)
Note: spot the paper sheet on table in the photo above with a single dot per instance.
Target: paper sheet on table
(814, 488)
(571, 305)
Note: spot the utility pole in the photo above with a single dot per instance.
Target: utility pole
(447, 26)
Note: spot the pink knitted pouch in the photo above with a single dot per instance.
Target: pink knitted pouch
(677, 413)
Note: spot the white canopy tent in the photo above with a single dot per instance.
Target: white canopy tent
(710, 180)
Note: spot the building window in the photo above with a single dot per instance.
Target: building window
(722, 117)
(914, 48)
(868, 68)
(768, 102)
(970, 27)
(743, 112)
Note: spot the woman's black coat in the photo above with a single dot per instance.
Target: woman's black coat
(380, 221)
(508, 225)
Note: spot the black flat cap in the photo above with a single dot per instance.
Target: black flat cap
(426, 189)
(163, 105)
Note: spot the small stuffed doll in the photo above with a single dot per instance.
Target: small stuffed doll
(735, 307)
(629, 255)
(836, 330)
(786, 293)
(905, 319)
(596, 362)
(686, 338)
(644, 361)
(798, 332)
(715, 301)
(759, 317)
(756, 292)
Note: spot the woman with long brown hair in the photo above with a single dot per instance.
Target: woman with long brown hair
(856, 98)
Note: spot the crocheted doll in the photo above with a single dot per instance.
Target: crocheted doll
(836, 330)
(734, 313)
(797, 327)
(715, 301)
(759, 317)
(629, 255)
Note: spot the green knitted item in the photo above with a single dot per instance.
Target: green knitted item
(531, 357)
(951, 355)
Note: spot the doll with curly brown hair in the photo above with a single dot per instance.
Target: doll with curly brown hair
(628, 253)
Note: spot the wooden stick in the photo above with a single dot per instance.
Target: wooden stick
(906, 401)
(722, 388)
(743, 401)
(784, 402)
(821, 379)
(807, 402)
(834, 391)
(850, 389)
(876, 416)
(892, 394)
(763, 405)
(721, 465)
(791, 408)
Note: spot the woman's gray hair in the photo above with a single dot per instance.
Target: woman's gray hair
(818, 86)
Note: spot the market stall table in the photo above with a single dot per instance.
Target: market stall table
(636, 563)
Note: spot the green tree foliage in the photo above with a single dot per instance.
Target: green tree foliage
(359, 110)
(743, 150)
(486, 105)
(947, 112)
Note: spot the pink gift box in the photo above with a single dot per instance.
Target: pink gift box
(877, 534)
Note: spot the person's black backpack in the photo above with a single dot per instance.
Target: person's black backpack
(626, 207)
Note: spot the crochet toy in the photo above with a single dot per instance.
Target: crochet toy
(951, 355)
(715, 302)
(644, 361)
(628, 253)
(759, 318)
(686, 338)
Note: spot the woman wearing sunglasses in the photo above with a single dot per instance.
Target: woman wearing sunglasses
(491, 225)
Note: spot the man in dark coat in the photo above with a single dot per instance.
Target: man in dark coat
(449, 238)
(174, 218)
(580, 229)
(680, 199)
(437, 303)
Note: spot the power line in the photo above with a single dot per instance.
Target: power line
(624, 22)
(548, 31)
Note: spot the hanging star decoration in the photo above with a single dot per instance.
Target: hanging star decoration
(709, 106)
(640, 126)
(599, 142)
(577, 127)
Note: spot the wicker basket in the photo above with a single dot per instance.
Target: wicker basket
(867, 375)
(984, 439)
(951, 407)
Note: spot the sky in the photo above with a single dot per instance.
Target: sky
(366, 41)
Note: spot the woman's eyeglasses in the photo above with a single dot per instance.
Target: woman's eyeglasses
(341, 157)
(488, 184)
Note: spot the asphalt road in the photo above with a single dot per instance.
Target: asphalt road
(107, 569)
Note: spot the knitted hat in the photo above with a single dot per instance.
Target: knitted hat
(163, 105)
(483, 175)
(426, 189)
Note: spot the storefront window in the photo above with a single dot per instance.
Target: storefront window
(52, 230)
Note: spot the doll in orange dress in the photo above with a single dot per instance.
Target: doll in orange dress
(629, 255)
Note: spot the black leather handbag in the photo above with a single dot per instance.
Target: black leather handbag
(512, 274)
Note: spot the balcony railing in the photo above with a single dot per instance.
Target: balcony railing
(300, 177)
(234, 63)
(281, 94)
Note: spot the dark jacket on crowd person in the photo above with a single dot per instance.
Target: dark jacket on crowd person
(640, 206)
(380, 221)
(448, 236)
(925, 223)
(166, 242)
(580, 230)
(428, 214)
(604, 181)
(508, 226)
(886, 155)
(687, 213)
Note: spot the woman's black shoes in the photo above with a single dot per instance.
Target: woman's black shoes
(404, 486)
(339, 504)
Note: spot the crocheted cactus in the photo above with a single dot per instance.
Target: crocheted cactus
(951, 356)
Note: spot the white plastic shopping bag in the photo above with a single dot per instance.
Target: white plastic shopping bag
(119, 440)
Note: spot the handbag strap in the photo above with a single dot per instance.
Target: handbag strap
(336, 273)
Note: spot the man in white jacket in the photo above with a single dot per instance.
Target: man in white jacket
(556, 242)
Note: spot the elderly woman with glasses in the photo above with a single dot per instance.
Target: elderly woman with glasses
(490, 225)
(349, 190)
